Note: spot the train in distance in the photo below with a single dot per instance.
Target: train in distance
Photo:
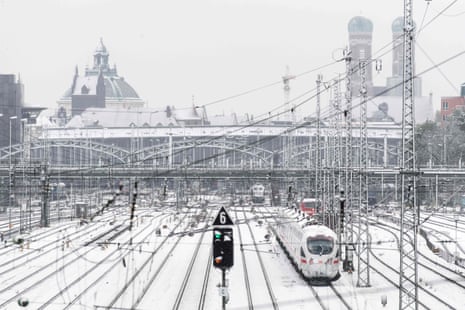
(258, 193)
(310, 206)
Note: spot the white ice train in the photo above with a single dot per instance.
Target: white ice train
(312, 248)
(258, 193)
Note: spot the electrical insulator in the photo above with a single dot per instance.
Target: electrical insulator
(379, 65)
(342, 214)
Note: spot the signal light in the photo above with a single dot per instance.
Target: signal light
(23, 302)
(223, 248)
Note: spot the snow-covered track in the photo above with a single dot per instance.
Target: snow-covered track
(93, 269)
(187, 278)
(245, 270)
(206, 277)
(441, 301)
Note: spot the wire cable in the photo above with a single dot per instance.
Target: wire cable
(286, 131)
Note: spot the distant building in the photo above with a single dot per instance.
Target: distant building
(100, 87)
(450, 104)
(394, 82)
(11, 103)
(139, 117)
(385, 102)
(360, 39)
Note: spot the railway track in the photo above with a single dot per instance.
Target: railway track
(132, 247)
(205, 282)
(146, 290)
(245, 270)
(188, 281)
(43, 251)
(441, 301)
(30, 281)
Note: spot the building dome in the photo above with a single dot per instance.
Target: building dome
(117, 87)
(398, 25)
(360, 24)
(117, 92)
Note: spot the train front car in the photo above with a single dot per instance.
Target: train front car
(319, 261)
(312, 248)
(258, 193)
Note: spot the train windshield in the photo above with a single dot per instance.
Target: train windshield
(320, 245)
(309, 205)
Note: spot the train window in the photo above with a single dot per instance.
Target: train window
(302, 253)
(320, 245)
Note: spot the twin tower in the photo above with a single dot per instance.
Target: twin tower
(360, 38)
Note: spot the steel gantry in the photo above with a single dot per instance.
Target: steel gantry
(363, 244)
(408, 279)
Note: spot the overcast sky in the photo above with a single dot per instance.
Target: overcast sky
(172, 50)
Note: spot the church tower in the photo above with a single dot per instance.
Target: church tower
(360, 39)
(395, 80)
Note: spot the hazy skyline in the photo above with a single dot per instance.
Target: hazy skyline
(170, 51)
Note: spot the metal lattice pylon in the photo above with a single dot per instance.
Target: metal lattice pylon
(348, 231)
(408, 279)
(318, 177)
(336, 151)
(363, 244)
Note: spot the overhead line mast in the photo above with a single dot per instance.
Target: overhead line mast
(408, 279)
(318, 178)
(363, 244)
(348, 232)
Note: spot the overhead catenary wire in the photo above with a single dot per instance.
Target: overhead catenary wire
(278, 82)
(438, 68)
(436, 16)
(326, 114)
(269, 115)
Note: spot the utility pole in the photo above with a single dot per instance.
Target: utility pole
(337, 151)
(290, 136)
(45, 212)
(318, 185)
(363, 244)
(133, 207)
(11, 194)
(408, 279)
(348, 232)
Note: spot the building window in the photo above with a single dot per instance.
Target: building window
(445, 105)
(444, 117)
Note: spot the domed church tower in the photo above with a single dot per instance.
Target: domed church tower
(100, 87)
(394, 82)
(360, 39)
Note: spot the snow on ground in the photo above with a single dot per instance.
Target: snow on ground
(291, 291)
